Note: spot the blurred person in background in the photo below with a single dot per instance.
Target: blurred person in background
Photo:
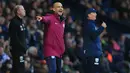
(70, 46)
(34, 36)
(32, 62)
(67, 65)
(5, 61)
(92, 45)
(3, 28)
(18, 39)
(54, 37)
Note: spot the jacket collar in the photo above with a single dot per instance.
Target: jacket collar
(58, 17)
(18, 18)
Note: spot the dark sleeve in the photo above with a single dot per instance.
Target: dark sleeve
(10, 28)
(93, 32)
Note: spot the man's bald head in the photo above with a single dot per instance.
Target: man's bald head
(55, 4)
(58, 8)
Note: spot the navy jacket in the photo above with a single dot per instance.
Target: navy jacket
(92, 45)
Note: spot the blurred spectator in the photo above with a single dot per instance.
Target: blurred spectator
(3, 28)
(67, 65)
(34, 36)
(5, 61)
(32, 14)
(70, 45)
(33, 62)
(121, 42)
(79, 47)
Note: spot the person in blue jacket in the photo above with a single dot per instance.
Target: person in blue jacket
(92, 45)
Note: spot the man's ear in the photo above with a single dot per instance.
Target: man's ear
(53, 9)
(89, 15)
(18, 11)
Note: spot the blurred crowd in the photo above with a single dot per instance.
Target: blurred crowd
(115, 9)
(116, 51)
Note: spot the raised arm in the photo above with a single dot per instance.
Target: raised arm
(44, 19)
(95, 33)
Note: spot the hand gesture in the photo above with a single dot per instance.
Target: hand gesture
(39, 18)
(104, 25)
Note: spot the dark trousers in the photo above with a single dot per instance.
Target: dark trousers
(18, 61)
(92, 65)
(54, 64)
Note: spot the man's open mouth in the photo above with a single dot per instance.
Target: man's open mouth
(60, 11)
